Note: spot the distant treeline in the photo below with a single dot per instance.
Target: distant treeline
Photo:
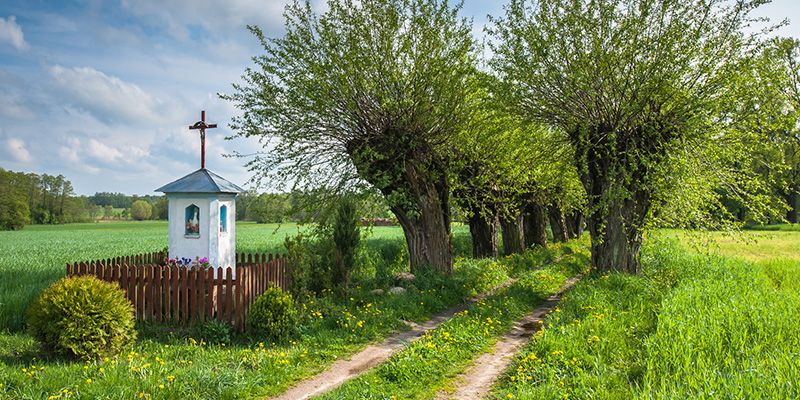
(27, 198)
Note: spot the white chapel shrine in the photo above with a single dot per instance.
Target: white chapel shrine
(202, 213)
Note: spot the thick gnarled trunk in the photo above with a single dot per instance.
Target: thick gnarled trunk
(484, 236)
(534, 225)
(427, 229)
(513, 236)
(617, 239)
(617, 189)
(557, 224)
(791, 199)
(415, 182)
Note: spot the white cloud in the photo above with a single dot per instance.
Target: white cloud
(102, 152)
(11, 33)
(17, 150)
(108, 98)
(12, 107)
(180, 16)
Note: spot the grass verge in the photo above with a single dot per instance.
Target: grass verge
(692, 326)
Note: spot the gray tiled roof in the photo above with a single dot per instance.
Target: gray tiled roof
(201, 181)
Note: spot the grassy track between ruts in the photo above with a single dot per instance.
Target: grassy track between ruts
(422, 369)
(692, 326)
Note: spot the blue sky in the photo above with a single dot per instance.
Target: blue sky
(103, 91)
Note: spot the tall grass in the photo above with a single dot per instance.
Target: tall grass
(693, 326)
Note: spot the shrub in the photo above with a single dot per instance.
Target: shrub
(82, 317)
(215, 332)
(273, 315)
(14, 214)
(309, 263)
(346, 237)
(141, 210)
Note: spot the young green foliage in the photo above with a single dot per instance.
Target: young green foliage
(640, 87)
(370, 92)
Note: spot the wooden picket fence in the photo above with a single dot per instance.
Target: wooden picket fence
(171, 293)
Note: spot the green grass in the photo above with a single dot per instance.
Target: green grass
(693, 326)
(779, 241)
(175, 362)
(422, 369)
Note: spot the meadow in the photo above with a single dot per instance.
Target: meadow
(703, 321)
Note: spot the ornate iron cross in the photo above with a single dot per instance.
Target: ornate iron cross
(202, 126)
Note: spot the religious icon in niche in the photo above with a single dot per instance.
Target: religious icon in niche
(223, 219)
(193, 221)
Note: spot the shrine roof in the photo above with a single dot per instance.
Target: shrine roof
(201, 181)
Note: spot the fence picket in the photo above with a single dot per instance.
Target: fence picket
(191, 279)
(166, 285)
(201, 294)
(175, 275)
(209, 290)
(184, 294)
(219, 290)
(158, 293)
(228, 294)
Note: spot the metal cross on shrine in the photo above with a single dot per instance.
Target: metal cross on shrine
(202, 126)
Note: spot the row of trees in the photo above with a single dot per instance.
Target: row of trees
(42, 199)
(627, 114)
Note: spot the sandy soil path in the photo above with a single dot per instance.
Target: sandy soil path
(343, 370)
(476, 381)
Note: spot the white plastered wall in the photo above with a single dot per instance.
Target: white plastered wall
(219, 247)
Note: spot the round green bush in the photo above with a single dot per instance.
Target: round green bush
(82, 317)
(273, 315)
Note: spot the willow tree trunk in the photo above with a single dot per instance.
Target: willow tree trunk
(580, 224)
(427, 230)
(617, 238)
(513, 236)
(484, 236)
(534, 224)
(791, 199)
(615, 168)
(557, 224)
(415, 181)
(575, 224)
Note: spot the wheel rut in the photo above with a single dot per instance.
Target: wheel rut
(477, 381)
